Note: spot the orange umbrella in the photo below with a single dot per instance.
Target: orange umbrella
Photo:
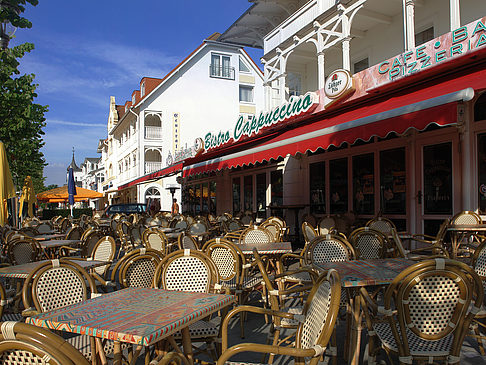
(59, 195)
(7, 189)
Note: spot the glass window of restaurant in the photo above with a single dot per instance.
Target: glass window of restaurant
(480, 116)
(338, 185)
(199, 197)
(317, 179)
(261, 195)
(236, 189)
(248, 193)
(364, 184)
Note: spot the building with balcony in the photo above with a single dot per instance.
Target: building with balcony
(166, 118)
(371, 107)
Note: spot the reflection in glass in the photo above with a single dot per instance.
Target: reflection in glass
(248, 192)
(261, 195)
(197, 199)
(276, 179)
(437, 165)
(338, 186)
(317, 180)
(393, 187)
(205, 197)
(236, 195)
(363, 184)
(212, 197)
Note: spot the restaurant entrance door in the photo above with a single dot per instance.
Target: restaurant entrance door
(437, 174)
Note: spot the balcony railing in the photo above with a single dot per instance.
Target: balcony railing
(153, 132)
(297, 21)
(222, 72)
(152, 166)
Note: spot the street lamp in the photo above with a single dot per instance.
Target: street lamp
(172, 189)
(7, 30)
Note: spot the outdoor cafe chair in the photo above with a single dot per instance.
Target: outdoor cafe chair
(368, 243)
(466, 218)
(75, 233)
(103, 250)
(155, 238)
(64, 225)
(315, 325)
(56, 284)
(22, 343)
(426, 313)
(235, 273)
(185, 240)
(136, 231)
(22, 250)
(427, 251)
(275, 230)
(4, 302)
(309, 232)
(326, 225)
(29, 231)
(279, 300)
(255, 236)
(44, 227)
(381, 224)
(194, 271)
(478, 263)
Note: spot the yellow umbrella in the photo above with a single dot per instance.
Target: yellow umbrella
(28, 196)
(7, 189)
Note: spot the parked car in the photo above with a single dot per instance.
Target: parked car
(127, 208)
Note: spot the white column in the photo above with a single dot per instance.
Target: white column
(409, 24)
(268, 96)
(281, 87)
(455, 12)
(321, 75)
(346, 58)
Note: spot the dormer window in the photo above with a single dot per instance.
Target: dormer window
(142, 89)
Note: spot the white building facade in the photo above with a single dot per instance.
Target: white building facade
(207, 91)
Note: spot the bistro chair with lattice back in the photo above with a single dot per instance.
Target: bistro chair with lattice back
(326, 225)
(56, 284)
(74, 233)
(478, 263)
(255, 236)
(89, 242)
(103, 250)
(4, 302)
(22, 250)
(22, 343)
(138, 270)
(381, 224)
(44, 227)
(186, 241)
(189, 270)
(275, 230)
(155, 238)
(136, 232)
(315, 325)
(422, 253)
(368, 243)
(466, 217)
(309, 232)
(426, 312)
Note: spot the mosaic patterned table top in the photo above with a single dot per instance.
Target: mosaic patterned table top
(23, 271)
(140, 316)
(367, 272)
(272, 248)
(58, 243)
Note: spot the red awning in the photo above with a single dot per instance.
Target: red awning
(404, 110)
(169, 170)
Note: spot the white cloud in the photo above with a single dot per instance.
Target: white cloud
(79, 124)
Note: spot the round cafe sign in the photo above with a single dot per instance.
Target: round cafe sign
(339, 83)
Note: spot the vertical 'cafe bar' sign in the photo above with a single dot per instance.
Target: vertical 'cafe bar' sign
(297, 105)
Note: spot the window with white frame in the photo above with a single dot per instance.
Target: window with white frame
(243, 66)
(246, 93)
(221, 66)
(294, 83)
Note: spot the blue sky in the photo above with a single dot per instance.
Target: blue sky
(86, 51)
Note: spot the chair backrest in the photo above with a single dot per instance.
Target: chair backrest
(466, 218)
(29, 231)
(22, 343)
(228, 259)
(90, 241)
(255, 236)
(329, 248)
(103, 250)
(309, 232)
(197, 227)
(478, 261)
(272, 299)
(326, 224)
(433, 299)
(187, 270)
(56, 284)
(275, 230)
(65, 224)
(320, 313)
(138, 270)
(75, 233)
(246, 219)
(368, 243)
(310, 218)
(136, 231)
(44, 227)
(232, 224)
(154, 238)
(23, 250)
(186, 241)
(381, 224)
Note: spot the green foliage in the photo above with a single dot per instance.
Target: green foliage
(21, 120)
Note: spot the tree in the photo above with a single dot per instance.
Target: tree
(21, 120)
